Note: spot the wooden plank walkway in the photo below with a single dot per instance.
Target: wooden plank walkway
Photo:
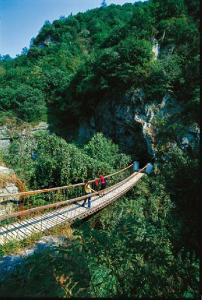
(23, 229)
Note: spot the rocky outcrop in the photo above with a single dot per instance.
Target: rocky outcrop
(115, 118)
(9, 262)
(8, 132)
(129, 121)
(4, 137)
(191, 138)
(155, 48)
(6, 171)
(9, 184)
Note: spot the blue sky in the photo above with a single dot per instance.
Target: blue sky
(20, 20)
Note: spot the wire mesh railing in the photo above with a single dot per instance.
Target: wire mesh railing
(13, 225)
(27, 201)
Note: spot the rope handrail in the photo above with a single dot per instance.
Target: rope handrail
(40, 191)
(63, 203)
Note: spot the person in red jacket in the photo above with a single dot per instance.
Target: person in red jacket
(103, 182)
(97, 184)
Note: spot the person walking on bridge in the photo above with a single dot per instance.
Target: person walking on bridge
(103, 182)
(88, 190)
(97, 184)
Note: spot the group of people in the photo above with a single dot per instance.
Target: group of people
(100, 184)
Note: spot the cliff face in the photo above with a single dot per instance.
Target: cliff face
(116, 119)
(130, 122)
(75, 61)
(8, 132)
(134, 122)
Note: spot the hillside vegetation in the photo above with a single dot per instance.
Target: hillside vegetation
(148, 243)
(76, 61)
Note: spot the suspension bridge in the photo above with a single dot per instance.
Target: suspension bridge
(39, 210)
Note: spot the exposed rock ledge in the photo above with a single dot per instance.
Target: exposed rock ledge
(7, 132)
(9, 184)
(9, 262)
(129, 122)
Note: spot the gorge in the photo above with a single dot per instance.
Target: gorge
(94, 92)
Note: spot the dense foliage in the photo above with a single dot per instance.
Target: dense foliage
(76, 61)
(148, 243)
(46, 160)
(139, 247)
(129, 249)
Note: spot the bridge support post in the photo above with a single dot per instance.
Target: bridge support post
(136, 166)
(149, 168)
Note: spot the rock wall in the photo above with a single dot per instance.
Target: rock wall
(4, 137)
(8, 132)
(129, 122)
(7, 186)
(115, 118)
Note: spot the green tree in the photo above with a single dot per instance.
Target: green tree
(169, 8)
(104, 150)
(21, 101)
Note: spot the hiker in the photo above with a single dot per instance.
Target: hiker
(103, 182)
(97, 184)
(88, 190)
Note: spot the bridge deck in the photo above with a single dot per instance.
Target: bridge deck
(22, 229)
